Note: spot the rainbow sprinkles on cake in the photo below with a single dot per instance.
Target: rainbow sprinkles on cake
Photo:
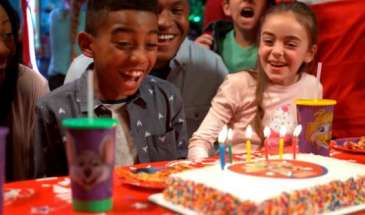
(311, 184)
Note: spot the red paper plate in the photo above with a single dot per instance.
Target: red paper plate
(153, 180)
(340, 144)
(127, 179)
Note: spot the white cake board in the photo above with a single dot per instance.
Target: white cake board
(158, 199)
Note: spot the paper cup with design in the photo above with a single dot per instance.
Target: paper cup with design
(316, 116)
(3, 134)
(90, 155)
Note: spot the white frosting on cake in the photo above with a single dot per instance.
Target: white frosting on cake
(258, 189)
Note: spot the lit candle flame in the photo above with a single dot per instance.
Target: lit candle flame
(267, 132)
(282, 131)
(297, 130)
(248, 132)
(222, 135)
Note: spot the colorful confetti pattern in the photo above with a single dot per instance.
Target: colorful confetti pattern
(318, 199)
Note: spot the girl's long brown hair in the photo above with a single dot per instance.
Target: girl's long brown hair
(17, 155)
(305, 16)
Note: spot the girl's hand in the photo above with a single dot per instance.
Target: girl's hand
(197, 153)
(205, 40)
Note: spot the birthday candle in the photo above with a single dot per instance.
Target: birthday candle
(248, 143)
(221, 139)
(266, 144)
(281, 142)
(296, 133)
(229, 139)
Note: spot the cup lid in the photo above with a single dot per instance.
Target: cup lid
(87, 123)
(315, 102)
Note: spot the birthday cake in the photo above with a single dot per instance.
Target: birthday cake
(311, 184)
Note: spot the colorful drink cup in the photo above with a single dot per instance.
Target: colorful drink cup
(90, 154)
(3, 134)
(316, 116)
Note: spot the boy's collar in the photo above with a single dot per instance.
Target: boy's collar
(82, 91)
(118, 101)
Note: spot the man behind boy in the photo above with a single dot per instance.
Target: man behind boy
(121, 37)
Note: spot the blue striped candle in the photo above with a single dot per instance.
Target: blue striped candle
(222, 138)
(222, 155)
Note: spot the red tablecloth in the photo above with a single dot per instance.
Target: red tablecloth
(53, 195)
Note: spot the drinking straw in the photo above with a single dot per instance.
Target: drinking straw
(319, 71)
(90, 95)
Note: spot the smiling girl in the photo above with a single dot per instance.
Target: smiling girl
(287, 45)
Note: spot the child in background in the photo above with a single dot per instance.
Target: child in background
(287, 45)
(236, 41)
(63, 31)
(121, 37)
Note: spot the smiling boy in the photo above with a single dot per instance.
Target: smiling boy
(121, 37)
(195, 71)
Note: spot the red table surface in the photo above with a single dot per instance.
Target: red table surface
(127, 199)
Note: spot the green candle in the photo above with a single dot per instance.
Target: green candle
(230, 153)
(229, 139)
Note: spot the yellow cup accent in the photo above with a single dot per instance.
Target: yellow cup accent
(315, 102)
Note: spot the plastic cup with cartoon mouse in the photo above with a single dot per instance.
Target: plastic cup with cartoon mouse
(3, 134)
(90, 154)
(316, 116)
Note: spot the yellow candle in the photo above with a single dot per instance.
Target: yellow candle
(281, 142)
(248, 150)
(281, 148)
(248, 143)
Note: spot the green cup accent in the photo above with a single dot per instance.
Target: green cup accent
(89, 123)
(95, 206)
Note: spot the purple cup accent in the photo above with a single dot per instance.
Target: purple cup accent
(316, 120)
(3, 134)
(90, 154)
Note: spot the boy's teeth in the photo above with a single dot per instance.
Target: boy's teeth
(166, 37)
(134, 73)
